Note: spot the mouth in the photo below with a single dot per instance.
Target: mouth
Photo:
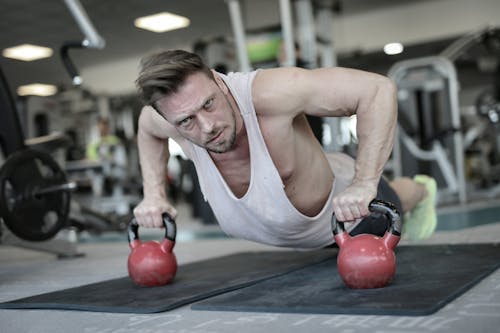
(216, 137)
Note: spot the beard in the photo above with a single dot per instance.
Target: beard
(224, 146)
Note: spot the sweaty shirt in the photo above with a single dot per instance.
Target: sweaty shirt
(264, 213)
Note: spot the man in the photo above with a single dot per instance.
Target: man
(262, 171)
(109, 151)
(103, 147)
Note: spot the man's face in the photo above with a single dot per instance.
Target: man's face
(201, 112)
(103, 128)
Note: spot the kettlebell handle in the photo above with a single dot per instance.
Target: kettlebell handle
(379, 206)
(168, 222)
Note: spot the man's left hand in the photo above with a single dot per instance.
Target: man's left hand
(352, 203)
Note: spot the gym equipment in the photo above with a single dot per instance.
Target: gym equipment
(98, 212)
(239, 35)
(429, 139)
(459, 47)
(482, 142)
(92, 39)
(34, 195)
(428, 278)
(431, 130)
(30, 179)
(152, 263)
(193, 282)
(481, 133)
(368, 261)
(13, 194)
(482, 118)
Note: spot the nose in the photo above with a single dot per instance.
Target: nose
(205, 123)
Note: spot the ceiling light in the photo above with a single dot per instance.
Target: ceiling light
(393, 48)
(37, 89)
(27, 52)
(162, 22)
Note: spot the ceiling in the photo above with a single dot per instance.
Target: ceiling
(49, 23)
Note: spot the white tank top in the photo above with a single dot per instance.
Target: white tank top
(264, 214)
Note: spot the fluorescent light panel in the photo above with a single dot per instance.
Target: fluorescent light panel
(162, 22)
(37, 89)
(393, 48)
(27, 52)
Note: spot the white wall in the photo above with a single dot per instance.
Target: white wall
(112, 78)
(413, 23)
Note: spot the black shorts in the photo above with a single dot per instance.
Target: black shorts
(376, 223)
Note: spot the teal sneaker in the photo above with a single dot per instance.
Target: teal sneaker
(422, 220)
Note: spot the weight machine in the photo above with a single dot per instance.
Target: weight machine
(482, 120)
(431, 137)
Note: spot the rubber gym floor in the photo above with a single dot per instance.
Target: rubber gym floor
(25, 273)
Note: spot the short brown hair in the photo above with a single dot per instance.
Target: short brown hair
(162, 73)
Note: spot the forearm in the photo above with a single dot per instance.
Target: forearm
(153, 156)
(376, 124)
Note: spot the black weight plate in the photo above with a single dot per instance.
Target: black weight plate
(32, 217)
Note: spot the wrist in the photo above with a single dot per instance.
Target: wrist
(154, 192)
(369, 186)
(371, 181)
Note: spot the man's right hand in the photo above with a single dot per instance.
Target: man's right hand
(149, 212)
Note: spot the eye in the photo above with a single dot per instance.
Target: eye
(208, 103)
(185, 122)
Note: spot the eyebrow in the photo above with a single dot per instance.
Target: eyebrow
(192, 112)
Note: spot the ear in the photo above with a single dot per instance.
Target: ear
(220, 82)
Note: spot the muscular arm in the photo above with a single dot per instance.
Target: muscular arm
(152, 142)
(153, 156)
(332, 92)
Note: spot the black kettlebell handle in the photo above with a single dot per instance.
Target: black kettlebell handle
(168, 222)
(379, 206)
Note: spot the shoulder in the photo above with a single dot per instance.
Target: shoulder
(276, 79)
(239, 83)
(279, 89)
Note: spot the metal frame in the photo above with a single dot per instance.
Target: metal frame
(92, 38)
(239, 34)
(452, 171)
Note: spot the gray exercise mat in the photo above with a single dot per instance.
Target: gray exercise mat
(427, 278)
(193, 282)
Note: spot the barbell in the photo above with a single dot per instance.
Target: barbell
(34, 195)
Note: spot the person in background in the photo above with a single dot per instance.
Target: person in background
(109, 151)
(103, 147)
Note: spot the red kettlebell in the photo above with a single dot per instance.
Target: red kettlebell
(152, 263)
(368, 261)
